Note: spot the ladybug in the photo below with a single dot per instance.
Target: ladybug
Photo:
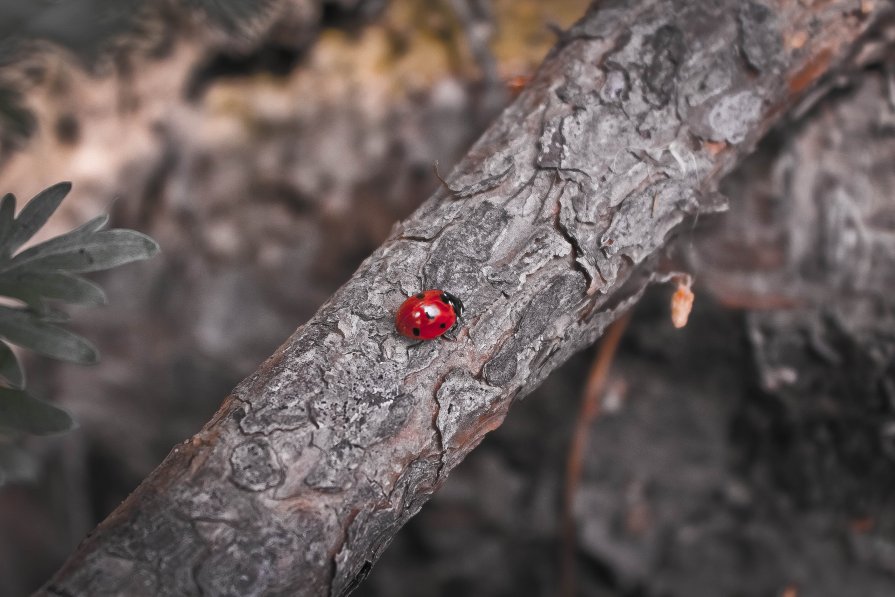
(428, 314)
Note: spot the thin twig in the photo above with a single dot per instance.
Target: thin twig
(591, 401)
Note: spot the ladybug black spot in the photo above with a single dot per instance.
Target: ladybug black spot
(444, 325)
(421, 296)
(416, 331)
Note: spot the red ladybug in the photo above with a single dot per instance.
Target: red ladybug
(428, 314)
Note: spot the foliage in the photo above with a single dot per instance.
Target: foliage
(86, 27)
(39, 276)
(233, 15)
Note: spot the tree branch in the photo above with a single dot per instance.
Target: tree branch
(550, 232)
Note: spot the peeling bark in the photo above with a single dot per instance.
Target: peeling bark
(555, 222)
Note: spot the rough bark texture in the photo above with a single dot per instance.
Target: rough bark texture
(550, 231)
(719, 465)
(267, 192)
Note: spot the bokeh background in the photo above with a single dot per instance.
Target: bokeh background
(269, 147)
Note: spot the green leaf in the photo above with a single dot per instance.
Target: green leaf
(33, 216)
(7, 215)
(64, 242)
(103, 250)
(21, 412)
(51, 285)
(30, 331)
(27, 296)
(51, 315)
(10, 370)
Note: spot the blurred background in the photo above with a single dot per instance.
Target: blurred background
(269, 147)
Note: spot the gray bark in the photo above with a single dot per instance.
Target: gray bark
(556, 219)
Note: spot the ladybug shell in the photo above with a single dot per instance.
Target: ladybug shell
(428, 314)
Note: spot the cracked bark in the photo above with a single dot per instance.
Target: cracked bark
(557, 219)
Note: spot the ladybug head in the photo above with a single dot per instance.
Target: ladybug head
(453, 301)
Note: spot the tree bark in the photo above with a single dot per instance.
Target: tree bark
(551, 229)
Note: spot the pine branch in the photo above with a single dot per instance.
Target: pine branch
(551, 231)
